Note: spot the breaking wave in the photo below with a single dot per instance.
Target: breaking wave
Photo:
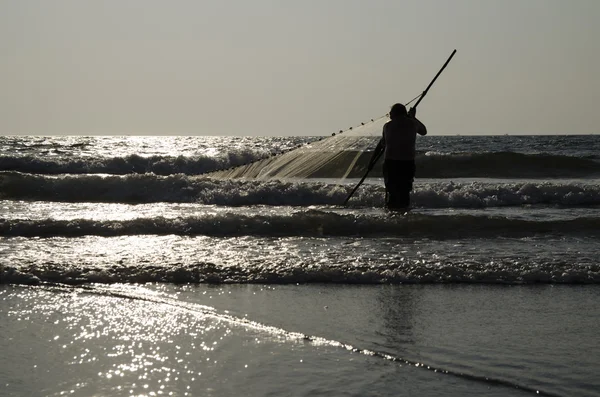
(309, 223)
(149, 188)
(132, 164)
(429, 165)
(397, 271)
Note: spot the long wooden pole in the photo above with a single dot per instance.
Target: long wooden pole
(378, 155)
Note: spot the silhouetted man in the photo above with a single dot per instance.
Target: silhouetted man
(398, 143)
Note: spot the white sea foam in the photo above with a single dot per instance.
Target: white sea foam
(148, 188)
(283, 260)
(431, 164)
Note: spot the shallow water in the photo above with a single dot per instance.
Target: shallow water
(300, 340)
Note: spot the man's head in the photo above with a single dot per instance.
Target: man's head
(397, 111)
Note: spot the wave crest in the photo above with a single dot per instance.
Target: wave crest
(429, 165)
(310, 223)
(149, 188)
(397, 272)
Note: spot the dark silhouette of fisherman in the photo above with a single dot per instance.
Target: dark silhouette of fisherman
(398, 144)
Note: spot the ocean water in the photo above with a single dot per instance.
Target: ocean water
(124, 270)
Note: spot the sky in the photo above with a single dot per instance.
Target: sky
(310, 67)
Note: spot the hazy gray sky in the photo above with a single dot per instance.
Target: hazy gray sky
(279, 67)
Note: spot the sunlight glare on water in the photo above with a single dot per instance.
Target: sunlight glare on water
(145, 341)
(486, 210)
(131, 347)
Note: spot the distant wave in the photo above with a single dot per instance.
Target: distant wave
(133, 164)
(429, 165)
(310, 223)
(149, 188)
(505, 165)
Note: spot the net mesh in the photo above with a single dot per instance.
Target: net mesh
(343, 155)
(346, 154)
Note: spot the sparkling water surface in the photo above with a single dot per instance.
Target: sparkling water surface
(126, 271)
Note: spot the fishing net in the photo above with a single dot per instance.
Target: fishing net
(345, 154)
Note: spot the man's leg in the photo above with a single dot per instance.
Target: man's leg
(393, 184)
(387, 175)
(407, 176)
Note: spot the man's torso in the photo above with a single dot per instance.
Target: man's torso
(400, 137)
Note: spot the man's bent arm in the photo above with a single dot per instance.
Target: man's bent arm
(421, 129)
